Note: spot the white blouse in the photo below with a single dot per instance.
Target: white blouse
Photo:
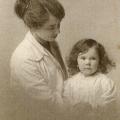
(96, 90)
(36, 71)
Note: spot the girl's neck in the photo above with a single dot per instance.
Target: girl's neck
(88, 76)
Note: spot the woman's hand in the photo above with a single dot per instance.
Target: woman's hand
(82, 107)
(83, 111)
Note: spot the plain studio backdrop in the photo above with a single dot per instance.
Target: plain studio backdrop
(97, 19)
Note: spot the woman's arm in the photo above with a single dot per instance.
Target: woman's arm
(33, 83)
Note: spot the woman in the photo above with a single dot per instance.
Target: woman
(37, 68)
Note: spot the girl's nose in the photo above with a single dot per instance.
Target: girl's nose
(87, 62)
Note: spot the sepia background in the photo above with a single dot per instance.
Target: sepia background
(97, 19)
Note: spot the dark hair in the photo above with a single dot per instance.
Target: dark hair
(83, 46)
(35, 13)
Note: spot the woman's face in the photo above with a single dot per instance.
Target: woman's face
(49, 30)
(88, 62)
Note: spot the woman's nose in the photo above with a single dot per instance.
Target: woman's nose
(57, 31)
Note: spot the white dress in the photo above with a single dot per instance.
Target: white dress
(96, 90)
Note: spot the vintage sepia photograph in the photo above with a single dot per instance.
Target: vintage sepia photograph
(60, 60)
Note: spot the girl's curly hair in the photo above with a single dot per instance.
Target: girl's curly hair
(105, 64)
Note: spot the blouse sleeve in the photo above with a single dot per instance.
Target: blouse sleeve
(107, 109)
(108, 91)
(33, 83)
(67, 94)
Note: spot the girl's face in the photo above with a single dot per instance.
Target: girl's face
(88, 62)
(49, 30)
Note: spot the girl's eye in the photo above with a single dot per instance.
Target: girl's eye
(93, 58)
(83, 58)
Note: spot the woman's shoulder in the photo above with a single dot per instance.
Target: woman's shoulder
(21, 52)
(28, 49)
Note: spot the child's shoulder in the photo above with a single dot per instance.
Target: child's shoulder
(72, 79)
(102, 76)
(105, 80)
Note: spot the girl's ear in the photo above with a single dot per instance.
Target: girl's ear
(99, 68)
(77, 66)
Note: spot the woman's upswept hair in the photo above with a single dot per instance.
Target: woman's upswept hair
(82, 46)
(35, 13)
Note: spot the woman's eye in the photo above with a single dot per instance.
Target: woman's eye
(58, 26)
(51, 28)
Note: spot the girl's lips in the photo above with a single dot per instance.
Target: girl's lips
(87, 68)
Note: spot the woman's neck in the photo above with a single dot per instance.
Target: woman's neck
(44, 43)
(40, 40)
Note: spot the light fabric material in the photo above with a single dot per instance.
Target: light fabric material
(96, 90)
(36, 74)
(34, 68)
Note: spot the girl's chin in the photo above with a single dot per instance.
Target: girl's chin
(88, 74)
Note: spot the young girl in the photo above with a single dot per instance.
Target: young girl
(89, 92)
